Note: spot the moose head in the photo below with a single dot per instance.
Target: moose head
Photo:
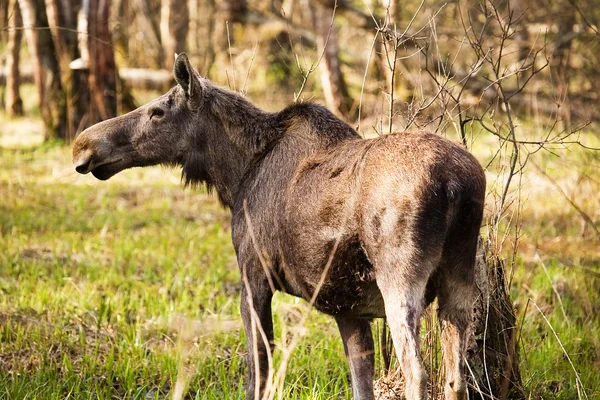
(211, 132)
(154, 133)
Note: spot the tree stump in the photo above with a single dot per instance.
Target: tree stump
(493, 359)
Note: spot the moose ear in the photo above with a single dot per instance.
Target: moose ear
(185, 76)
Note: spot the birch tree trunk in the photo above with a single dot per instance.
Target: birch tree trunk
(14, 104)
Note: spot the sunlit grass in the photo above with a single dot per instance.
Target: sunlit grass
(96, 278)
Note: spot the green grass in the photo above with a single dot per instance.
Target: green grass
(556, 282)
(99, 280)
(118, 289)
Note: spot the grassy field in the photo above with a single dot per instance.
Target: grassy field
(129, 288)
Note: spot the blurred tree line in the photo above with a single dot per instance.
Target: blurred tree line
(342, 51)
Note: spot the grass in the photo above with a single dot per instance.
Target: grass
(119, 289)
(98, 282)
(556, 275)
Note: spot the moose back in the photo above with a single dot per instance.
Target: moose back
(362, 228)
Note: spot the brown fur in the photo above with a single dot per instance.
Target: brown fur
(367, 227)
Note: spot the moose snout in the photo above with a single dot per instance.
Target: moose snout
(102, 149)
(83, 166)
(82, 156)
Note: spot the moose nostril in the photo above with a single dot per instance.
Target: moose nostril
(83, 167)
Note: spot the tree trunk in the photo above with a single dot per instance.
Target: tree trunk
(62, 16)
(14, 104)
(46, 67)
(174, 26)
(102, 78)
(517, 10)
(152, 45)
(335, 90)
(235, 11)
(124, 15)
(228, 13)
(5, 11)
(561, 59)
(193, 39)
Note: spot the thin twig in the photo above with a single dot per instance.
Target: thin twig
(230, 58)
(245, 86)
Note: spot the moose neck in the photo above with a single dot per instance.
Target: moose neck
(231, 133)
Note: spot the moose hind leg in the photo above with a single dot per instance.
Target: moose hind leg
(455, 313)
(403, 296)
(359, 349)
(258, 324)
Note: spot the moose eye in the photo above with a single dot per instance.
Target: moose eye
(157, 112)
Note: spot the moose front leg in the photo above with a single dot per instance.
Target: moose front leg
(359, 348)
(258, 324)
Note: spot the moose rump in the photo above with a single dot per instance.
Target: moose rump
(361, 228)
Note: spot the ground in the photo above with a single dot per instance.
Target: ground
(129, 288)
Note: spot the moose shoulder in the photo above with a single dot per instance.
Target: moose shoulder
(363, 228)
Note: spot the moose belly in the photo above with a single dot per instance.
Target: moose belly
(349, 286)
(360, 300)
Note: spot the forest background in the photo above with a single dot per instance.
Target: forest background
(129, 288)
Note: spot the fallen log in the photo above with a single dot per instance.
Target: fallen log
(136, 78)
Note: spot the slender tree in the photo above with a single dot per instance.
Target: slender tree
(144, 18)
(46, 68)
(332, 79)
(4, 15)
(14, 104)
(102, 78)
(235, 10)
(174, 27)
(62, 16)
(228, 13)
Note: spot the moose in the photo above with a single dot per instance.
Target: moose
(361, 228)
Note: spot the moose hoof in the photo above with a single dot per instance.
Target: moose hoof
(455, 390)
